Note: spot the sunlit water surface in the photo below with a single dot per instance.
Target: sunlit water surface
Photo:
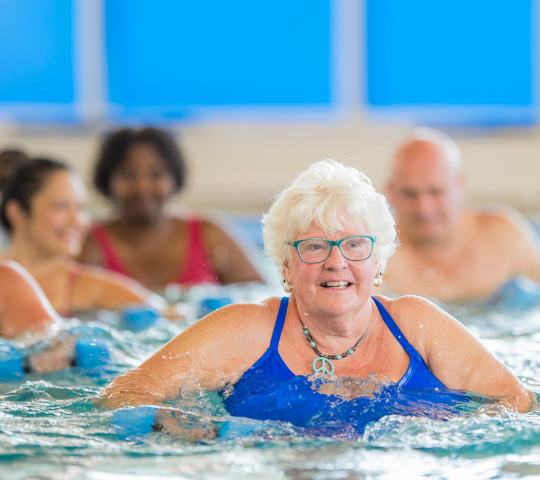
(51, 430)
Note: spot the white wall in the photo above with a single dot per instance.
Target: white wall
(239, 168)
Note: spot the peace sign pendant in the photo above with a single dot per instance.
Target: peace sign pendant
(326, 364)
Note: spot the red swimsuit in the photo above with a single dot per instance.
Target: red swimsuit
(196, 270)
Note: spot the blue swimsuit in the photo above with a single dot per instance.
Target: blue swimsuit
(270, 391)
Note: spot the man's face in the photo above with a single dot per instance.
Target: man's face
(425, 193)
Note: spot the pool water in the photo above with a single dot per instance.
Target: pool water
(50, 428)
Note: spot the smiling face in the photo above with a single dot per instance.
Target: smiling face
(58, 219)
(141, 184)
(337, 286)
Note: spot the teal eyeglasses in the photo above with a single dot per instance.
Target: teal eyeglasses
(316, 250)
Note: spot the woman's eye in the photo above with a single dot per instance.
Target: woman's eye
(157, 175)
(312, 247)
(60, 205)
(127, 175)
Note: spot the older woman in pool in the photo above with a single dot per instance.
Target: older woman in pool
(330, 234)
(43, 209)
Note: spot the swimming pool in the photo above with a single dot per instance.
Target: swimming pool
(51, 430)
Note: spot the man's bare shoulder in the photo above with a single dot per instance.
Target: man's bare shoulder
(498, 219)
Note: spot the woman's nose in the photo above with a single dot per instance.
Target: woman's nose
(144, 184)
(335, 260)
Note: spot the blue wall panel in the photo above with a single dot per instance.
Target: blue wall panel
(36, 38)
(449, 52)
(173, 54)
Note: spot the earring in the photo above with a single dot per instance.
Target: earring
(378, 280)
(287, 287)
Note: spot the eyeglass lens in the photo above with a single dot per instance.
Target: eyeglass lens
(317, 250)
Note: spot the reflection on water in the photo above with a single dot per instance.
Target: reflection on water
(50, 428)
(348, 388)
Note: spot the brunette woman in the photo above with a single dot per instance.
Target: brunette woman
(43, 208)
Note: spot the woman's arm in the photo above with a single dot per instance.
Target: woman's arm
(455, 357)
(216, 350)
(97, 288)
(23, 305)
(229, 258)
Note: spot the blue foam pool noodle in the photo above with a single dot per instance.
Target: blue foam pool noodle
(133, 423)
(234, 430)
(11, 362)
(210, 304)
(93, 354)
(139, 317)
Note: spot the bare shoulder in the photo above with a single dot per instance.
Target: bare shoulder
(419, 319)
(97, 287)
(10, 269)
(100, 274)
(212, 231)
(246, 313)
(231, 254)
(12, 274)
(410, 308)
(219, 229)
(240, 322)
(500, 219)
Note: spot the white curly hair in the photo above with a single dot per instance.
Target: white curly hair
(330, 194)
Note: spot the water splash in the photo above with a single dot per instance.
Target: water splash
(51, 429)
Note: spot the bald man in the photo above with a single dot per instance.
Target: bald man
(449, 250)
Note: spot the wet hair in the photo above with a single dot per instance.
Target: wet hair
(329, 194)
(23, 180)
(114, 151)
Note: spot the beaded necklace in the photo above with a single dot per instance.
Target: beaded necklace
(326, 359)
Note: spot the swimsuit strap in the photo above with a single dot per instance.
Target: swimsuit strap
(197, 268)
(194, 244)
(392, 326)
(388, 320)
(110, 260)
(280, 321)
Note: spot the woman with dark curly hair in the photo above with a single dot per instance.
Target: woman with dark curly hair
(139, 171)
